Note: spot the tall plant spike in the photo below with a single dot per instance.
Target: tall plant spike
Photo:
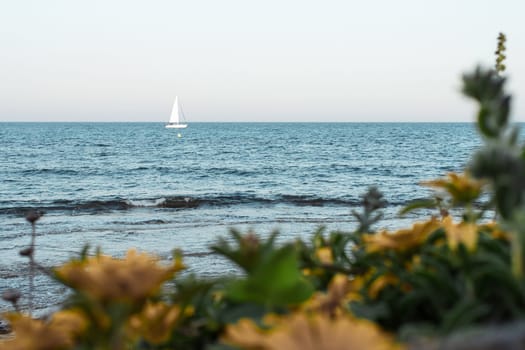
(500, 53)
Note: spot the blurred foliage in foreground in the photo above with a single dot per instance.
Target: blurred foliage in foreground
(366, 289)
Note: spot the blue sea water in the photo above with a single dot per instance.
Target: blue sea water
(122, 185)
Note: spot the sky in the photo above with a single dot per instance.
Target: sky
(253, 61)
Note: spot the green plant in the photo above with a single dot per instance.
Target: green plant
(438, 276)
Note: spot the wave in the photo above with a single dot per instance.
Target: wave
(185, 202)
(66, 205)
(48, 171)
(139, 223)
(216, 171)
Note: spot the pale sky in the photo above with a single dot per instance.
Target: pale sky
(242, 60)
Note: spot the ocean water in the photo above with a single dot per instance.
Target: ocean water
(123, 185)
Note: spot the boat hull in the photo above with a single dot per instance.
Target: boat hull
(176, 126)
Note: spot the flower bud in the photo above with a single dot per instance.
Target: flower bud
(11, 295)
(26, 251)
(33, 216)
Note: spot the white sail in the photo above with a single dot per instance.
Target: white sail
(175, 112)
(177, 117)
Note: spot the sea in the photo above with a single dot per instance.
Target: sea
(117, 186)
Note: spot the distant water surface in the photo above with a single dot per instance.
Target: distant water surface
(123, 185)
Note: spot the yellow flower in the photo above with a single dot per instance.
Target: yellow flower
(462, 188)
(300, 331)
(464, 232)
(400, 240)
(341, 290)
(105, 279)
(313, 272)
(156, 322)
(380, 283)
(324, 255)
(69, 321)
(413, 263)
(307, 272)
(59, 333)
(246, 334)
(495, 231)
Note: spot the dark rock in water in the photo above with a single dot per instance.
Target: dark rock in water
(185, 202)
(503, 337)
(4, 327)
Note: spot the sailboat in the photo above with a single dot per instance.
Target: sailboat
(177, 119)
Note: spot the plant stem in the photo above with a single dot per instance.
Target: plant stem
(517, 255)
(32, 268)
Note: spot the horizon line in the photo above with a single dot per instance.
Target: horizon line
(248, 122)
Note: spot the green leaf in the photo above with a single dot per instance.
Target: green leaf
(250, 310)
(418, 204)
(374, 312)
(513, 136)
(486, 124)
(463, 314)
(276, 281)
(503, 112)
